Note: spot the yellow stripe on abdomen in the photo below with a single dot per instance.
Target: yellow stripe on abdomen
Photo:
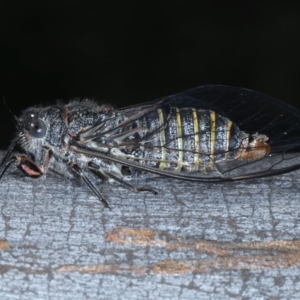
(212, 137)
(197, 159)
(180, 140)
(163, 163)
(229, 125)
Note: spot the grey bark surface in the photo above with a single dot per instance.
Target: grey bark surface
(236, 240)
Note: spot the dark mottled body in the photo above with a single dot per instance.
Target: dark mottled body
(191, 136)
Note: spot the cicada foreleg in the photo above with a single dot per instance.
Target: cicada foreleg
(24, 163)
(5, 165)
(106, 174)
(29, 167)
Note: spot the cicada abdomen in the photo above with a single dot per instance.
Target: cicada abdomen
(192, 140)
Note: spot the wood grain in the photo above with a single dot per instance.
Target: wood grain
(193, 240)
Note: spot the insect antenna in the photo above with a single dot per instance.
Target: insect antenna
(9, 151)
(15, 119)
(7, 160)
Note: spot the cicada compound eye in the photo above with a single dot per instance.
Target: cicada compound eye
(37, 128)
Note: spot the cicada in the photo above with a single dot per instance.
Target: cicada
(210, 133)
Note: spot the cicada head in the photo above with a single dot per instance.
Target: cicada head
(40, 128)
(44, 133)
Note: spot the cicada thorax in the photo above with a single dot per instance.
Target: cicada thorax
(191, 140)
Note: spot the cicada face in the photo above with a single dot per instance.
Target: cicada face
(211, 133)
(40, 131)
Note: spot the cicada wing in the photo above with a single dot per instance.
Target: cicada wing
(252, 111)
(150, 136)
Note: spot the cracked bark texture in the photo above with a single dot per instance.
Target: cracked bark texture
(192, 240)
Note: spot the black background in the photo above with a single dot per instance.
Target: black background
(135, 51)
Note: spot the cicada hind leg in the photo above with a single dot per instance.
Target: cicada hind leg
(104, 175)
